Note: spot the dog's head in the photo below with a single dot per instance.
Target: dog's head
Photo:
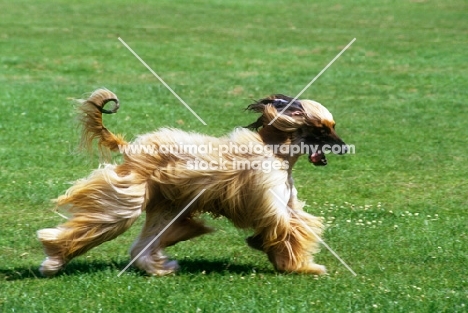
(300, 123)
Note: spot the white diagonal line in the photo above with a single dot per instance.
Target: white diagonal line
(313, 80)
(60, 214)
(162, 81)
(161, 232)
(316, 236)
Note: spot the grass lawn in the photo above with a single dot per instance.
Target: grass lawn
(395, 210)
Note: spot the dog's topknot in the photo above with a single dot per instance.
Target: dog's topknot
(281, 112)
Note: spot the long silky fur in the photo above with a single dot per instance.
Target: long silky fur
(107, 203)
(90, 117)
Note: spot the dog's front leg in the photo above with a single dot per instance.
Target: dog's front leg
(288, 235)
(256, 241)
(300, 239)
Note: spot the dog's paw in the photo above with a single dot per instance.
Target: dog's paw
(169, 267)
(50, 266)
(315, 269)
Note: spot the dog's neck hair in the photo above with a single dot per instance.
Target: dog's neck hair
(273, 136)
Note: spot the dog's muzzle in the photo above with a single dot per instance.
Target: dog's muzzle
(318, 158)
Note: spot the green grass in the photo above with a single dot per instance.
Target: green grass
(396, 209)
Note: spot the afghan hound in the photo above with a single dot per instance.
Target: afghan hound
(248, 180)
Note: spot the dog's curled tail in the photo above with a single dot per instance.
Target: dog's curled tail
(91, 111)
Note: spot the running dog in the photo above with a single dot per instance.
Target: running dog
(167, 183)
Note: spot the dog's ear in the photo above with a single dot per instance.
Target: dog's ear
(271, 106)
(279, 102)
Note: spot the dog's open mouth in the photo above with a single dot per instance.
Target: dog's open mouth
(318, 158)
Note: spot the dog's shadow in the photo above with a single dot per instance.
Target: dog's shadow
(226, 266)
(187, 266)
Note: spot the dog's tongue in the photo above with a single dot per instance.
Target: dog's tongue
(315, 157)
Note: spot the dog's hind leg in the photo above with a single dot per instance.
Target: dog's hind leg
(103, 206)
(151, 257)
(184, 229)
(148, 250)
